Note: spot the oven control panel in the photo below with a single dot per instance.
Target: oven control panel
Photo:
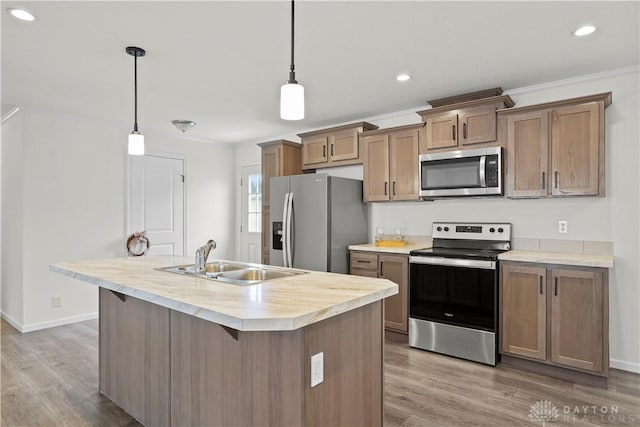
(471, 231)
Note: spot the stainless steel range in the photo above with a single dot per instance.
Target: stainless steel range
(453, 290)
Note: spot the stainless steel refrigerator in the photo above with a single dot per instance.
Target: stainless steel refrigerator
(314, 217)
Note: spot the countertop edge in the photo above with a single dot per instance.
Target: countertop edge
(400, 250)
(559, 258)
(246, 325)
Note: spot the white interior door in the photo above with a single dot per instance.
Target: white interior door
(157, 202)
(250, 229)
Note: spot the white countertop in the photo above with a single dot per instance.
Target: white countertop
(403, 250)
(584, 260)
(281, 304)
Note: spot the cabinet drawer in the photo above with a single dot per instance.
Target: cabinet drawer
(360, 260)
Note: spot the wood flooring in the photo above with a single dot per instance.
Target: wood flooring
(50, 378)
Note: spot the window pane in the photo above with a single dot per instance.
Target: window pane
(255, 223)
(254, 203)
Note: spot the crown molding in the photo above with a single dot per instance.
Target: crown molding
(572, 80)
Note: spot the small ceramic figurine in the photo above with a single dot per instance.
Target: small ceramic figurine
(138, 244)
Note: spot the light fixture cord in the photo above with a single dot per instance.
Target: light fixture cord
(135, 92)
(292, 70)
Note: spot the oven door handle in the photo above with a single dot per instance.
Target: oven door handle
(454, 262)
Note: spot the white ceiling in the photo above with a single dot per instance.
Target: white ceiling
(221, 64)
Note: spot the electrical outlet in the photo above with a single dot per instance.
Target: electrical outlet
(56, 301)
(317, 369)
(563, 227)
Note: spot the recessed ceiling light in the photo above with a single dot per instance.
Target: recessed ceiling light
(403, 77)
(21, 14)
(584, 31)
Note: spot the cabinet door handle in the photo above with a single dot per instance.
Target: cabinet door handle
(381, 268)
(331, 150)
(453, 133)
(324, 151)
(556, 178)
(542, 181)
(464, 130)
(385, 187)
(540, 285)
(556, 287)
(394, 188)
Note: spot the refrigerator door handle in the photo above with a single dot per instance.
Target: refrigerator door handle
(289, 232)
(284, 229)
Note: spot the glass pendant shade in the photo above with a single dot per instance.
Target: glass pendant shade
(292, 101)
(136, 144)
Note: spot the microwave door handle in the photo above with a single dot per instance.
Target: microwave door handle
(482, 170)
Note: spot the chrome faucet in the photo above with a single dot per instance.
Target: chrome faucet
(202, 253)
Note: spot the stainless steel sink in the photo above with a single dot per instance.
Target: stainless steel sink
(232, 272)
(249, 276)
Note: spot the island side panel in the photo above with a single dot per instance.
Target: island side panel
(134, 356)
(352, 391)
(225, 377)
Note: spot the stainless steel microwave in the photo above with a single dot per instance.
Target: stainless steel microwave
(461, 173)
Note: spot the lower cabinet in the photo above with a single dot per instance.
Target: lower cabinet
(557, 315)
(134, 356)
(394, 268)
(167, 368)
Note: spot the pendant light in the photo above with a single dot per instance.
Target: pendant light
(292, 93)
(136, 139)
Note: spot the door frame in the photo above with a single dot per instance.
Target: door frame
(166, 155)
(243, 204)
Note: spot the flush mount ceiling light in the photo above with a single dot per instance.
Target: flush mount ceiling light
(584, 30)
(403, 77)
(292, 93)
(183, 125)
(136, 139)
(21, 14)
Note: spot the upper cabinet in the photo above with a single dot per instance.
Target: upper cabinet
(337, 146)
(462, 122)
(556, 149)
(391, 163)
(279, 158)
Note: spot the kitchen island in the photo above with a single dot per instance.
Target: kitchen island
(184, 350)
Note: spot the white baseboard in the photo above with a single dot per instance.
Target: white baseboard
(13, 322)
(49, 324)
(625, 366)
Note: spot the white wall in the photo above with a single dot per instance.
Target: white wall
(72, 203)
(612, 218)
(12, 191)
(210, 192)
